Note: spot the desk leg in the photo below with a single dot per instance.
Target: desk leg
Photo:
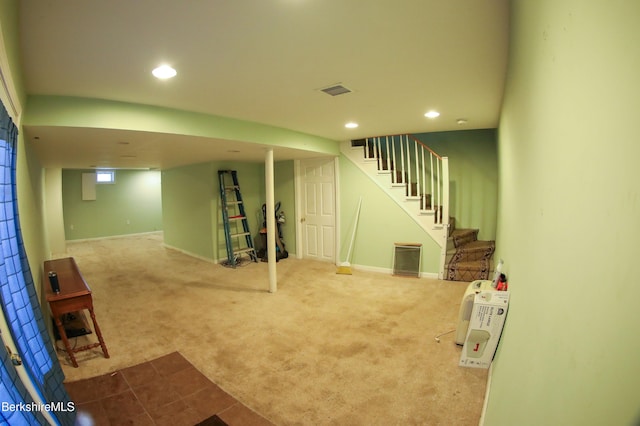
(100, 339)
(65, 340)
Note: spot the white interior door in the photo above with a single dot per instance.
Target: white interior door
(318, 215)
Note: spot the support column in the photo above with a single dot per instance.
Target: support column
(271, 221)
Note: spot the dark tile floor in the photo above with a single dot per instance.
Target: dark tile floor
(165, 391)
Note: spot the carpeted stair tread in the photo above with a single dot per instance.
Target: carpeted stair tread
(474, 265)
(470, 270)
(468, 258)
(460, 232)
(478, 245)
(460, 237)
(474, 250)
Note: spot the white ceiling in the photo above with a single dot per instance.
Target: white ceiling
(263, 61)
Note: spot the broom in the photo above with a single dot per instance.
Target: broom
(345, 267)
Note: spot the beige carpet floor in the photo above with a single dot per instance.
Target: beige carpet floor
(325, 349)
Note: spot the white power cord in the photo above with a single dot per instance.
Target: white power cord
(440, 335)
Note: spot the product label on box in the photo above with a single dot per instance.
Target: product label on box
(486, 314)
(485, 326)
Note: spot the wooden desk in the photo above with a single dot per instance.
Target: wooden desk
(74, 295)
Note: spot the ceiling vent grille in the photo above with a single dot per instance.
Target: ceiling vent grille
(336, 90)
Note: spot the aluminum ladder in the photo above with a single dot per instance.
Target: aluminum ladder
(238, 240)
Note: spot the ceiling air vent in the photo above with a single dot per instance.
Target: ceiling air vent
(336, 90)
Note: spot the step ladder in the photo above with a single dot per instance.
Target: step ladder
(237, 235)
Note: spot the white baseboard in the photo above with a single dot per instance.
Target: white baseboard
(111, 237)
(486, 396)
(188, 253)
(433, 275)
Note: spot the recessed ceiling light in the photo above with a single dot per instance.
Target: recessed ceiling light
(432, 114)
(461, 121)
(163, 72)
(351, 125)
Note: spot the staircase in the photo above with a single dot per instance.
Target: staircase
(468, 259)
(418, 179)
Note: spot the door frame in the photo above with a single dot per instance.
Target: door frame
(299, 208)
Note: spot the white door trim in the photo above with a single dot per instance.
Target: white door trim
(336, 174)
(297, 188)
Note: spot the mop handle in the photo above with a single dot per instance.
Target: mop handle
(353, 234)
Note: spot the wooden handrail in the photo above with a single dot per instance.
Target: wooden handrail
(419, 142)
(416, 140)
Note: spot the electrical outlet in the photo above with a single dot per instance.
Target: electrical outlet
(128, 222)
(71, 227)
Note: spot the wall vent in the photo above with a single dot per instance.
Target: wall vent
(406, 259)
(335, 90)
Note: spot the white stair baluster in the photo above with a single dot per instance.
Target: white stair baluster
(415, 147)
(439, 186)
(433, 193)
(387, 159)
(424, 183)
(403, 179)
(408, 167)
(394, 174)
(445, 187)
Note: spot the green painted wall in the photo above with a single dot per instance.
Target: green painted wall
(284, 191)
(192, 216)
(9, 20)
(29, 173)
(97, 113)
(382, 223)
(188, 199)
(129, 206)
(473, 167)
(568, 216)
(80, 112)
(473, 172)
(252, 187)
(192, 192)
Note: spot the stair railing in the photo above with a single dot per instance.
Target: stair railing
(424, 173)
